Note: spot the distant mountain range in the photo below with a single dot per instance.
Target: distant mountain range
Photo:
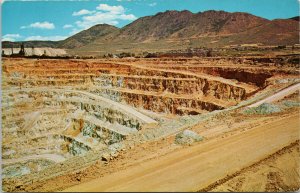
(178, 30)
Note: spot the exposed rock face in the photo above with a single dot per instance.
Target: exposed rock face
(257, 78)
(105, 157)
(37, 51)
(75, 148)
(167, 104)
(186, 86)
(161, 91)
(187, 137)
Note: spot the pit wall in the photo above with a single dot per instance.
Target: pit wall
(182, 84)
(169, 81)
(163, 104)
(39, 145)
(101, 111)
(256, 78)
(209, 88)
(256, 75)
(105, 114)
(101, 134)
(52, 67)
(259, 79)
(50, 144)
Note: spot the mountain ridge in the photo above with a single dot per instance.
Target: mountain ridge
(178, 29)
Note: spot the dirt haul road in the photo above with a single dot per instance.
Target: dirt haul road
(280, 95)
(198, 166)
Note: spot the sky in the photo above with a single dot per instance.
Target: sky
(56, 20)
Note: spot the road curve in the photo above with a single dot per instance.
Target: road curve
(280, 95)
(196, 167)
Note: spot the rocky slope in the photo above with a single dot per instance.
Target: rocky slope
(182, 29)
(87, 36)
(185, 24)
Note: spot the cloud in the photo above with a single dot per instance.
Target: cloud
(11, 37)
(127, 17)
(74, 31)
(40, 25)
(82, 12)
(152, 4)
(67, 26)
(52, 38)
(98, 18)
(112, 9)
(106, 15)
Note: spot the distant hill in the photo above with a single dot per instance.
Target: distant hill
(87, 36)
(181, 29)
(184, 24)
(296, 18)
(80, 39)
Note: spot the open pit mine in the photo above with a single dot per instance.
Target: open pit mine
(113, 124)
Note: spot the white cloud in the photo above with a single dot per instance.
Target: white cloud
(127, 17)
(112, 9)
(74, 31)
(8, 39)
(107, 15)
(11, 37)
(40, 25)
(98, 18)
(53, 38)
(67, 26)
(82, 12)
(152, 4)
